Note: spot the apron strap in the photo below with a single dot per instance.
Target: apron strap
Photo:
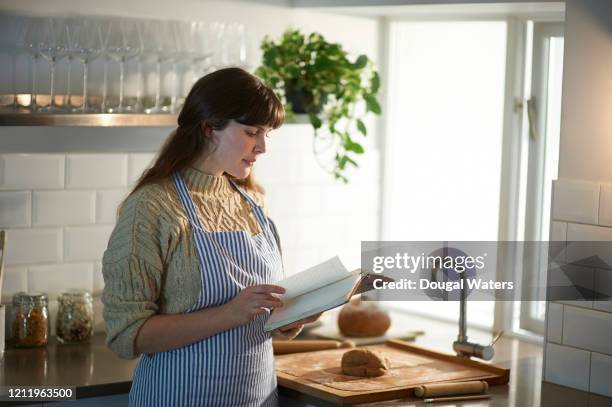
(261, 217)
(264, 221)
(186, 200)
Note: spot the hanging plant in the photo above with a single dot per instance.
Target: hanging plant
(317, 78)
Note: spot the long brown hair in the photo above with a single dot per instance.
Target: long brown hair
(214, 100)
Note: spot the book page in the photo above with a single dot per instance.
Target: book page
(310, 303)
(312, 278)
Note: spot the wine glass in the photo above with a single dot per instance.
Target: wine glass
(53, 48)
(183, 50)
(205, 36)
(217, 43)
(159, 41)
(32, 40)
(123, 41)
(72, 25)
(13, 44)
(235, 46)
(185, 42)
(86, 45)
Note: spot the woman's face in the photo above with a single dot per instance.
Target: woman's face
(235, 149)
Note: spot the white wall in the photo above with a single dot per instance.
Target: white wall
(57, 227)
(578, 335)
(586, 126)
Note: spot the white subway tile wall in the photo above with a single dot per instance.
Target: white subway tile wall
(56, 208)
(137, 163)
(59, 211)
(601, 372)
(82, 243)
(588, 329)
(107, 202)
(33, 245)
(567, 366)
(554, 322)
(576, 201)
(603, 281)
(578, 336)
(605, 210)
(15, 279)
(32, 171)
(96, 170)
(581, 277)
(16, 208)
(52, 279)
(558, 232)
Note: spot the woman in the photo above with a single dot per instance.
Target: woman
(189, 264)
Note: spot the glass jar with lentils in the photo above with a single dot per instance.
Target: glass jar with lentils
(75, 317)
(30, 320)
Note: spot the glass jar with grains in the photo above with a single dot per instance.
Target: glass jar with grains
(75, 318)
(30, 319)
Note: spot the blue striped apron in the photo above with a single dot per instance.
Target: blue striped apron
(234, 367)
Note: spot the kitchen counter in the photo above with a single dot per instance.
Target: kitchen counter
(96, 372)
(92, 368)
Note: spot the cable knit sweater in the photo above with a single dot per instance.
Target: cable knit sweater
(151, 265)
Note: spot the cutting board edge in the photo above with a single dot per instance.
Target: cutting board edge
(344, 397)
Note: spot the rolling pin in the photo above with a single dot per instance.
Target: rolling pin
(298, 345)
(451, 389)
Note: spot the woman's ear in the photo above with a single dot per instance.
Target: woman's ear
(206, 130)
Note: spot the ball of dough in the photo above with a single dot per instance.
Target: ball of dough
(361, 319)
(364, 363)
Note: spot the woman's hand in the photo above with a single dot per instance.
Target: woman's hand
(251, 301)
(292, 330)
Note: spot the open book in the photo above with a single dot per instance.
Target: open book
(320, 288)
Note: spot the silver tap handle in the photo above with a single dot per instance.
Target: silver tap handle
(496, 338)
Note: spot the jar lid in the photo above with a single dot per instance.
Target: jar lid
(29, 298)
(75, 294)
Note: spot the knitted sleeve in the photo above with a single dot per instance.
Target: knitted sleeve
(132, 269)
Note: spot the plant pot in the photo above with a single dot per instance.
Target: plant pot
(302, 101)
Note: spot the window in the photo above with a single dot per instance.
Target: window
(444, 138)
(462, 160)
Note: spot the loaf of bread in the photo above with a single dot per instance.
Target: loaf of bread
(364, 363)
(361, 319)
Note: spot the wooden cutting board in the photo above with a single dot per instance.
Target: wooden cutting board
(318, 373)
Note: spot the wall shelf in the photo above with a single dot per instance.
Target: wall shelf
(22, 116)
(88, 120)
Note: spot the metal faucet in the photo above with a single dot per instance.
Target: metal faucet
(462, 346)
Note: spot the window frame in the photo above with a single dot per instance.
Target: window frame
(514, 166)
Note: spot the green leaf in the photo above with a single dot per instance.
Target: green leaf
(350, 145)
(375, 83)
(372, 104)
(315, 121)
(361, 127)
(340, 177)
(361, 62)
(349, 160)
(342, 162)
(357, 148)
